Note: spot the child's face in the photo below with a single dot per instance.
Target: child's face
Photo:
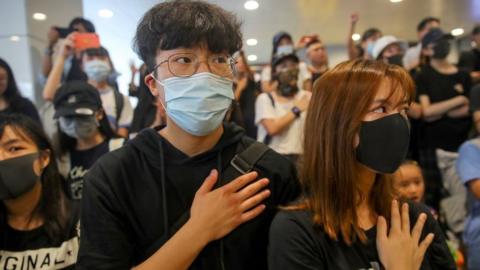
(408, 182)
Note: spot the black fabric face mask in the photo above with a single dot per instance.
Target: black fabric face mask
(384, 143)
(396, 60)
(287, 82)
(17, 176)
(441, 49)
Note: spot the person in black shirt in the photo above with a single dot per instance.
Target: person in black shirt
(10, 99)
(357, 135)
(443, 92)
(39, 226)
(171, 198)
(84, 134)
(246, 92)
(470, 60)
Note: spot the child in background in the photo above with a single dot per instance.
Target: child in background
(409, 183)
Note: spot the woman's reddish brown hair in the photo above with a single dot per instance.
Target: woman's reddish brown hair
(340, 100)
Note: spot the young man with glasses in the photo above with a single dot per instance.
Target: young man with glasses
(196, 193)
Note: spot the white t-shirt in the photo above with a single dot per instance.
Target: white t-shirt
(291, 139)
(109, 105)
(411, 58)
(303, 74)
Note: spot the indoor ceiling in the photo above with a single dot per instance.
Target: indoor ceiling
(328, 18)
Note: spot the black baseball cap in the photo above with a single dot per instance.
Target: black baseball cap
(277, 59)
(76, 98)
(434, 35)
(279, 36)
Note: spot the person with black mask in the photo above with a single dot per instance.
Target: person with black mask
(72, 70)
(470, 60)
(95, 63)
(84, 133)
(317, 55)
(185, 195)
(390, 50)
(356, 136)
(282, 45)
(280, 115)
(11, 101)
(443, 92)
(39, 225)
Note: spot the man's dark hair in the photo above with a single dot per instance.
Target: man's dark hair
(423, 23)
(184, 23)
(86, 23)
(369, 33)
(476, 30)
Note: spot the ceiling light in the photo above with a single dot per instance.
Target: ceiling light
(396, 1)
(15, 38)
(251, 5)
(252, 57)
(457, 32)
(356, 36)
(39, 16)
(252, 42)
(105, 13)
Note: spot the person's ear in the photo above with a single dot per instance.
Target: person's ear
(152, 85)
(41, 162)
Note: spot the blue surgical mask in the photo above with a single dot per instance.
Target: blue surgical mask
(97, 70)
(285, 49)
(79, 127)
(198, 104)
(370, 46)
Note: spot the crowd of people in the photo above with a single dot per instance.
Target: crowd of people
(221, 165)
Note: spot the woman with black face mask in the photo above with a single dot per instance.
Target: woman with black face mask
(443, 92)
(39, 226)
(356, 136)
(84, 133)
(280, 115)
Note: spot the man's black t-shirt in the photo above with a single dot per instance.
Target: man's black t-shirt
(296, 244)
(446, 133)
(133, 197)
(80, 162)
(35, 250)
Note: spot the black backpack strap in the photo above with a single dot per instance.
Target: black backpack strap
(245, 161)
(119, 102)
(271, 99)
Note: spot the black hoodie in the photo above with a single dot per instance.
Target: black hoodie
(124, 211)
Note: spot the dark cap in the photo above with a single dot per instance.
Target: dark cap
(476, 30)
(277, 59)
(434, 35)
(279, 36)
(76, 98)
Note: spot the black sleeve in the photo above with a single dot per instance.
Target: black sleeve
(420, 83)
(466, 61)
(291, 245)
(438, 254)
(466, 81)
(104, 243)
(286, 187)
(475, 99)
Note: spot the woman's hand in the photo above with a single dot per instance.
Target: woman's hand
(215, 213)
(399, 249)
(67, 46)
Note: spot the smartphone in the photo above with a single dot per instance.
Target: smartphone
(83, 41)
(63, 32)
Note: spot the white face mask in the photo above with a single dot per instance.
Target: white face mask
(285, 49)
(198, 104)
(97, 70)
